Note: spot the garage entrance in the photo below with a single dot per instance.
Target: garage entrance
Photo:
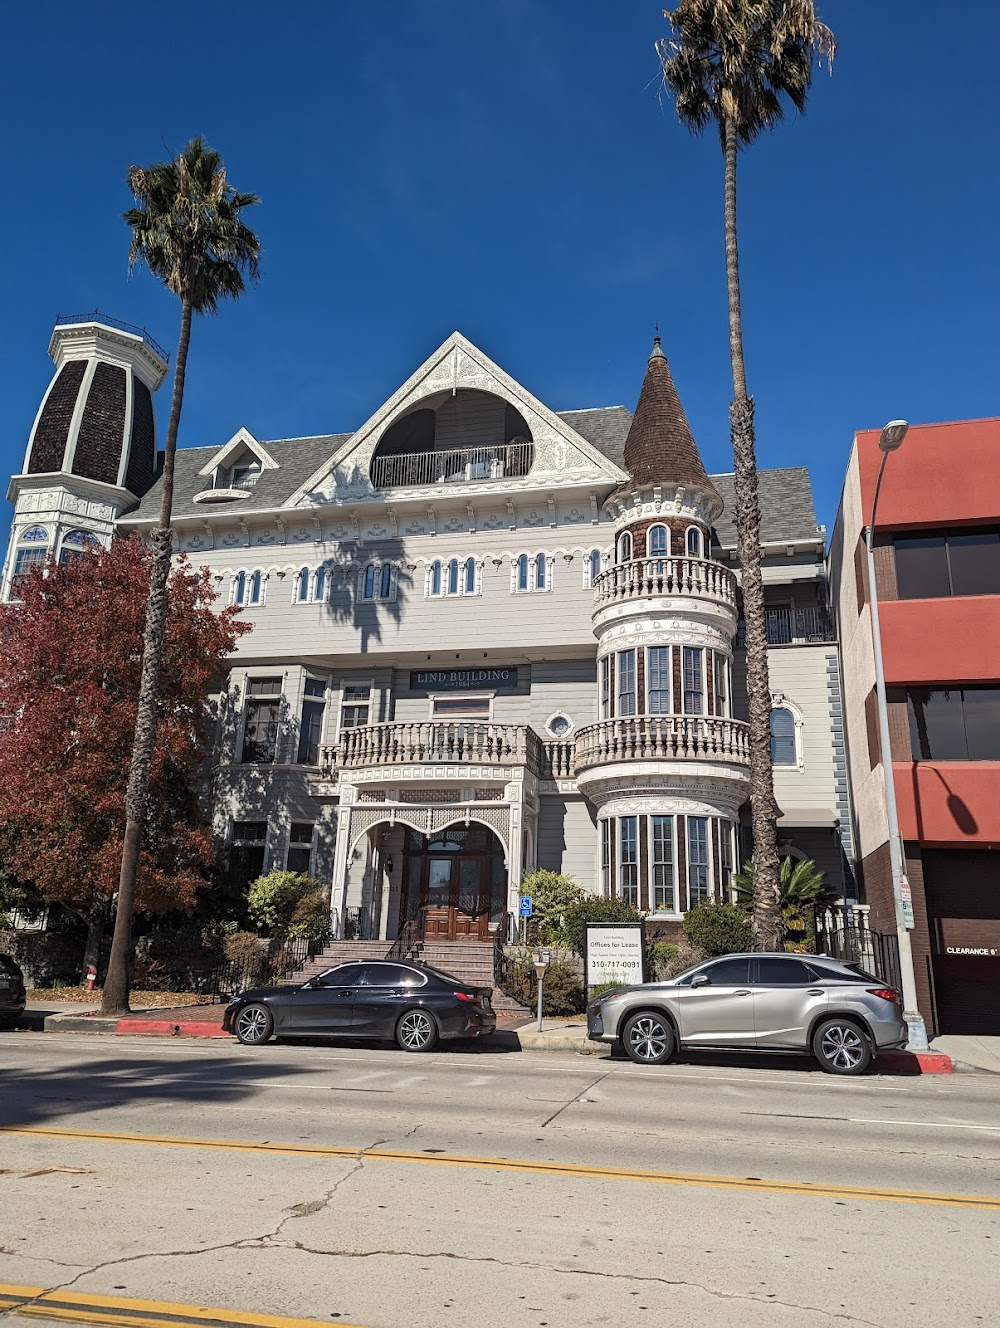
(963, 913)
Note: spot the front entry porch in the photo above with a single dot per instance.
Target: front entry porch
(454, 883)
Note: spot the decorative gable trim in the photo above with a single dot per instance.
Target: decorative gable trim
(561, 454)
(241, 439)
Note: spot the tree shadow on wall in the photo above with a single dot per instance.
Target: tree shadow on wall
(368, 579)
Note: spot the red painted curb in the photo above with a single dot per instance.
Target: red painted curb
(167, 1028)
(914, 1062)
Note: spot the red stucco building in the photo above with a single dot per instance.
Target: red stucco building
(937, 567)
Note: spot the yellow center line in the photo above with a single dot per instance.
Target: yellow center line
(573, 1170)
(82, 1307)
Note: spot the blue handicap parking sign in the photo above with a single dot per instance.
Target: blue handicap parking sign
(524, 906)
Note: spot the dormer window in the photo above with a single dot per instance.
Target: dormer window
(245, 473)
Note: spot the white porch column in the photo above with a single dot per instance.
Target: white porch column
(340, 861)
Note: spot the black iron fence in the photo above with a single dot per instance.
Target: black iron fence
(271, 963)
(844, 934)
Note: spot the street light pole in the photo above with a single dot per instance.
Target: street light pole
(891, 437)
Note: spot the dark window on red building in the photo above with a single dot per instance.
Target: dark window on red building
(955, 724)
(957, 562)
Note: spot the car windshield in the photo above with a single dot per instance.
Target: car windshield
(7, 965)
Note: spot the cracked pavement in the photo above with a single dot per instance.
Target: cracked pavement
(389, 1242)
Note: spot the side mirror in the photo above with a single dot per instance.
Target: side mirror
(701, 980)
(314, 983)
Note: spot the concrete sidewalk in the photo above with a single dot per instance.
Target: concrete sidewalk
(182, 1021)
(979, 1054)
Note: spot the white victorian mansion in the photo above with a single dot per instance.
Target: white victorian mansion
(487, 636)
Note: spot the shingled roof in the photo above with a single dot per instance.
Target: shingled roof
(660, 448)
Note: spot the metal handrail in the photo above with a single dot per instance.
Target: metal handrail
(405, 944)
(453, 465)
(95, 316)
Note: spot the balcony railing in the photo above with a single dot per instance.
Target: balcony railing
(559, 758)
(461, 742)
(793, 627)
(648, 578)
(667, 737)
(455, 466)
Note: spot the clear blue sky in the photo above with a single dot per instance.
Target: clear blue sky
(506, 167)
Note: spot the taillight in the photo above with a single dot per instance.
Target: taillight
(886, 993)
(466, 996)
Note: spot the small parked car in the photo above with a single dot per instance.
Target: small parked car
(809, 1004)
(413, 1004)
(12, 993)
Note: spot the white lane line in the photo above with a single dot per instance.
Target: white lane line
(874, 1120)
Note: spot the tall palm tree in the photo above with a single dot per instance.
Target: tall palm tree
(187, 229)
(734, 63)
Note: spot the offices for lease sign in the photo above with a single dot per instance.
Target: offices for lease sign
(614, 953)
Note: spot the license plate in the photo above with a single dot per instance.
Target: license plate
(6, 982)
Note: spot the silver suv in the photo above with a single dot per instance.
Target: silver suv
(756, 1002)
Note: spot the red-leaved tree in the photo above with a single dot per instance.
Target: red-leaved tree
(70, 659)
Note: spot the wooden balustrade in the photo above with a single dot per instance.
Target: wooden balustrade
(669, 737)
(558, 758)
(648, 578)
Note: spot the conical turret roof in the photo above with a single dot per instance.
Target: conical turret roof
(660, 448)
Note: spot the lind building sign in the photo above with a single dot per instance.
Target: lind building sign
(462, 680)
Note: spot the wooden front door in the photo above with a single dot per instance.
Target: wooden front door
(452, 898)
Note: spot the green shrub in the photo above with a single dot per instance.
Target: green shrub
(310, 917)
(659, 955)
(273, 900)
(601, 987)
(718, 929)
(552, 896)
(595, 908)
(562, 992)
(685, 958)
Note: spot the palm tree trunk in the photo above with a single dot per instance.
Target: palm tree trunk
(768, 923)
(118, 980)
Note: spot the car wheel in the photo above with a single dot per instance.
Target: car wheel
(648, 1038)
(253, 1025)
(416, 1031)
(841, 1047)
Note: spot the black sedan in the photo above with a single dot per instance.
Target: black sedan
(411, 1003)
(12, 993)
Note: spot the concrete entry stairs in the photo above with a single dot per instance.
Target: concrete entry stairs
(472, 961)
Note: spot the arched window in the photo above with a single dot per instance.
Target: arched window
(75, 543)
(470, 576)
(376, 581)
(256, 595)
(385, 582)
(32, 552)
(694, 542)
(624, 547)
(434, 585)
(319, 585)
(522, 572)
(453, 582)
(240, 588)
(540, 571)
(593, 565)
(783, 737)
(302, 585)
(657, 541)
(369, 582)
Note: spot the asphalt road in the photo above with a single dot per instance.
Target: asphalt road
(481, 1189)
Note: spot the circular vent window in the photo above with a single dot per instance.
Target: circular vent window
(559, 725)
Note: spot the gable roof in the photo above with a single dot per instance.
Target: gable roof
(296, 459)
(786, 507)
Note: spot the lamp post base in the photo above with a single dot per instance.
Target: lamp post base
(917, 1030)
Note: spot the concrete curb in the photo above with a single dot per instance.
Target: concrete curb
(168, 1028)
(141, 1027)
(913, 1062)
